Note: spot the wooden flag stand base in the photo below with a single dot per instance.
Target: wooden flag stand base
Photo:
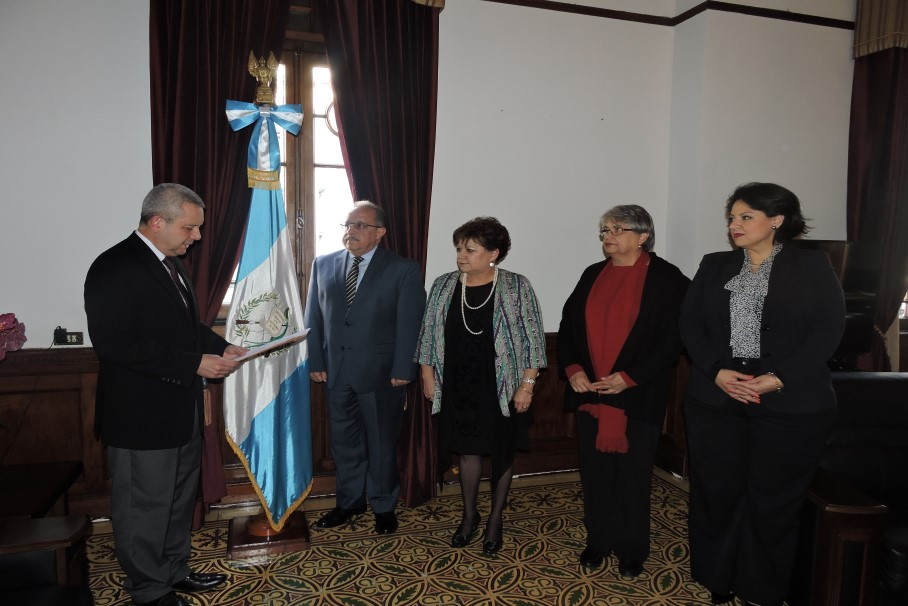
(253, 536)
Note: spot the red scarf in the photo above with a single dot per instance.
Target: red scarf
(611, 311)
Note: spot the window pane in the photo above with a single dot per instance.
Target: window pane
(280, 98)
(280, 85)
(333, 202)
(322, 93)
(326, 144)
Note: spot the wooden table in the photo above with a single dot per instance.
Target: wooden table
(32, 490)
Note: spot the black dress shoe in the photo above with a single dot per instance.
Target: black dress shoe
(338, 516)
(462, 540)
(721, 598)
(591, 557)
(629, 568)
(386, 523)
(200, 581)
(171, 599)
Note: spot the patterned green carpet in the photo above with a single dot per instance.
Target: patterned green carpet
(351, 566)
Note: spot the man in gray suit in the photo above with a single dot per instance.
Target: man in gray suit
(363, 312)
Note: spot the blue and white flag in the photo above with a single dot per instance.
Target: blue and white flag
(266, 401)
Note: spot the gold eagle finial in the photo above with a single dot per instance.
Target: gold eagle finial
(263, 72)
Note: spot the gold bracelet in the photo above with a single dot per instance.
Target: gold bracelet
(778, 382)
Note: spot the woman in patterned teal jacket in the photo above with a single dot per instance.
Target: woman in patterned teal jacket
(479, 367)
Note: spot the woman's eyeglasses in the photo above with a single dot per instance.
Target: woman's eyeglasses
(614, 231)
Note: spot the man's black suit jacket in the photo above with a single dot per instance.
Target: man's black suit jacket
(802, 323)
(648, 354)
(149, 346)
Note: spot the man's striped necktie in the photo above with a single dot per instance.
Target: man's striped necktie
(352, 275)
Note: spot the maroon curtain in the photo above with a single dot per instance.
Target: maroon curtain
(383, 56)
(878, 178)
(199, 54)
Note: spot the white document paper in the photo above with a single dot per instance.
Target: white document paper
(272, 345)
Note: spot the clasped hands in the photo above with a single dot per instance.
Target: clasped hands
(611, 385)
(745, 388)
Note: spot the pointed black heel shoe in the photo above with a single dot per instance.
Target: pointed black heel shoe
(462, 540)
(492, 546)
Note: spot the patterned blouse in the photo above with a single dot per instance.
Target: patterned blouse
(748, 290)
(517, 330)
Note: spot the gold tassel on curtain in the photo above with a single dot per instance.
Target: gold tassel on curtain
(879, 25)
(431, 3)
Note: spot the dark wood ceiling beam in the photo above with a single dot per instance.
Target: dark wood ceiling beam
(728, 7)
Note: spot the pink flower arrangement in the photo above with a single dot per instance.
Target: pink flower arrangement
(12, 334)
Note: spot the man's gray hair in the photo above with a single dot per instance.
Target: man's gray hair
(380, 217)
(166, 201)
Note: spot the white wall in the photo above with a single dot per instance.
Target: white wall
(548, 119)
(545, 119)
(76, 158)
(756, 100)
(769, 115)
(686, 144)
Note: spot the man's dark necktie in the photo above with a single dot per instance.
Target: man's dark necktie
(171, 264)
(352, 275)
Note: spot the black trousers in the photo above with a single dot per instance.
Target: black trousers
(750, 471)
(616, 488)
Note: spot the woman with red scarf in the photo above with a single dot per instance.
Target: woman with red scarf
(617, 343)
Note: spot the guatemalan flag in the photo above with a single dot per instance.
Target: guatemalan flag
(266, 401)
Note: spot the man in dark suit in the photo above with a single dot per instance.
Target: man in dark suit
(363, 312)
(154, 357)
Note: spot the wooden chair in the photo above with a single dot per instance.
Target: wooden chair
(43, 561)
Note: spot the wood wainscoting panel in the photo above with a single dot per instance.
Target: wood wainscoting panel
(672, 452)
(553, 445)
(41, 418)
(47, 399)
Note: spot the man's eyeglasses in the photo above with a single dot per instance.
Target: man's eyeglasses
(614, 231)
(358, 225)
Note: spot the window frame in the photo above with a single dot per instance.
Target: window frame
(299, 164)
(300, 195)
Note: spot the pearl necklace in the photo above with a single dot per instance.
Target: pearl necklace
(463, 299)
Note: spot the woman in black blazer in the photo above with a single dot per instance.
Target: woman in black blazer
(617, 343)
(759, 324)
